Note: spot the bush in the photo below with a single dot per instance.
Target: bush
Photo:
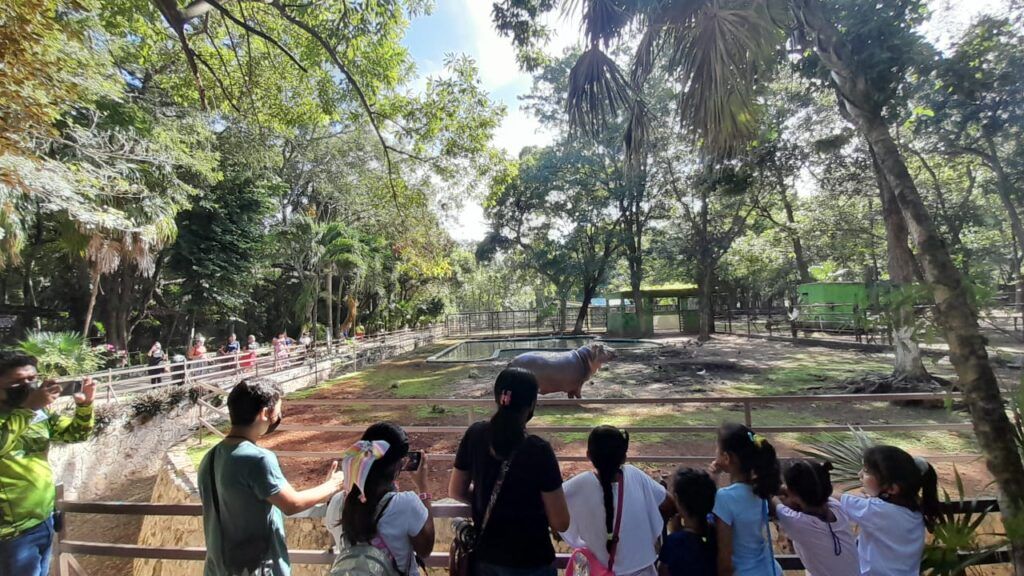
(61, 353)
(146, 406)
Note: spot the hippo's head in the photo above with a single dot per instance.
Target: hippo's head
(599, 354)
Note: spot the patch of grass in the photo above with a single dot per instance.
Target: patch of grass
(800, 372)
(926, 442)
(435, 411)
(401, 380)
(197, 449)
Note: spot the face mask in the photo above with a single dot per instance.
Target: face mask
(16, 395)
(273, 425)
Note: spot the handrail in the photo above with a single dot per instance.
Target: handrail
(754, 400)
(318, 557)
(137, 379)
(646, 429)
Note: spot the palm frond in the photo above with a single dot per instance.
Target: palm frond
(720, 55)
(846, 453)
(636, 137)
(646, 54)
(602, 20)
(597, 92)
(61, 353)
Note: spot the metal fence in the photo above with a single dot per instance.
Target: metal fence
(523, 322)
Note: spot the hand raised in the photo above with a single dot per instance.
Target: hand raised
(85, 397)
(43, 396)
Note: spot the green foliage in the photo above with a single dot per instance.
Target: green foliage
(61, 353)
(954, 535)
(845, 453)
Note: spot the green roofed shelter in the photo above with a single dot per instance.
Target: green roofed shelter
(666, 307)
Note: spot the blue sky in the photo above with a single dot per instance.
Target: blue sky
(464, 27)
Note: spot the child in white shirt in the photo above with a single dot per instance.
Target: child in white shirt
(902, 500)
(815, 522)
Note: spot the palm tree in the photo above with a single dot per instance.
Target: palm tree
(721, 52)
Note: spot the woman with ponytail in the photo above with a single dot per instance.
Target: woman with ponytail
(901, 501)
(372, 510)
(515, 539)
(741, 508)
(593, 499)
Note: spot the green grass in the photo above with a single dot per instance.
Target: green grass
(665, 416)
(799, 372)
(435, 411)
(197, 449)
(399, 380)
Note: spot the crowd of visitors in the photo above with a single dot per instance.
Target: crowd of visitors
(617, 519)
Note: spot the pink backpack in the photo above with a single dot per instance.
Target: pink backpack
(583, 561)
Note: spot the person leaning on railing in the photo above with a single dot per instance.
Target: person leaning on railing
(244, 492)
(27, 490)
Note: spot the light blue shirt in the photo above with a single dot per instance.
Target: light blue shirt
(247, 476)
(741, 509)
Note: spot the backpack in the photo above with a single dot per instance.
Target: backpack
(365, 559)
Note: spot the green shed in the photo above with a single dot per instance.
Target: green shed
(834, 305)
(667, 308)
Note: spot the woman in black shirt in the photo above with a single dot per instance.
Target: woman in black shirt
(516, 540)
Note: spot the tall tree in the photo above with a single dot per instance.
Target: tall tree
(720, 54)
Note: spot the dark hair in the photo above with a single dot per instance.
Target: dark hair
(919, 490)
(810, 481)
(606, 448)
(250, 396)
(695, 492)
(757, 460)
(14, 360)
(358, 520)
(515, 392)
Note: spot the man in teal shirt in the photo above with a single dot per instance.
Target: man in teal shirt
(244, 492)
(27, 491)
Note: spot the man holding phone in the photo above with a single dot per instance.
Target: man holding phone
(27, 490)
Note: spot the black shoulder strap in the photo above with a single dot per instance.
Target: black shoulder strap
(213, 482)
(497, 490)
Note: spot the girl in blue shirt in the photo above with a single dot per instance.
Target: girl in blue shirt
(741, 509)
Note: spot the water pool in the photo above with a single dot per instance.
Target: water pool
(479, 350)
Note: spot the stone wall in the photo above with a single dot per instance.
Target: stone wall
(127, 450)
(175, 485)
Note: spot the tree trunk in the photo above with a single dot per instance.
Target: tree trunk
(562, 306)
(581, 316)
(902, 267)
(1005, 189)
(94, 282)
(954, 312)
(316, 306)
(798, 247)
(706, 313)
(330, 304)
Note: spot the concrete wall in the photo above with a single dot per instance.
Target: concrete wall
(127, 450)
(175, 485)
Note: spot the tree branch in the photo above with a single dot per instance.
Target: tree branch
(259, 33)
(352, 82)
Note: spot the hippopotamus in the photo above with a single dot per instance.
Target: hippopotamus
(564, 371)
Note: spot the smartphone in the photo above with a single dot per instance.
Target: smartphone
(413, 461)
(70, 388)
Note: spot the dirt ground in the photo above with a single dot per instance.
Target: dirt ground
(726, 366)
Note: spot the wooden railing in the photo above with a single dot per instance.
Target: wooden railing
(65, 549)
(479, 407)
(213, 368)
